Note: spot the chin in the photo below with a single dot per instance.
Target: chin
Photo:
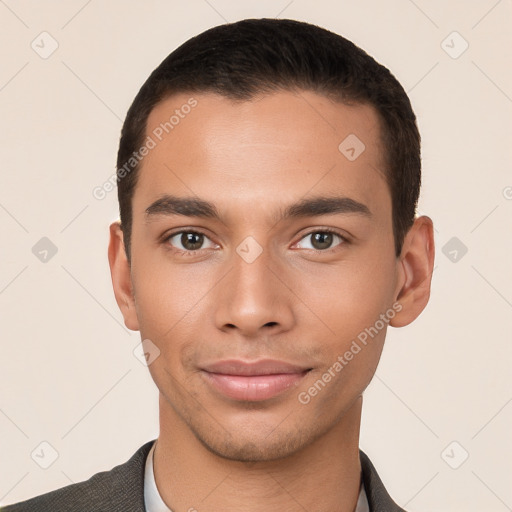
(256, 447)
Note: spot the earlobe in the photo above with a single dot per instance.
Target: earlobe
(121, 277)
(416, 265)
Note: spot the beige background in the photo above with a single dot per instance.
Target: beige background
(68, 375)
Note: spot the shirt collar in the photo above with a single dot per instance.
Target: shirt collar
(152, 498)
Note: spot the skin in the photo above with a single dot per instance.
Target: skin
(294, 302)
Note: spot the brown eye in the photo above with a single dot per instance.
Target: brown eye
(192, 241)
(321, 240)
(188, 241)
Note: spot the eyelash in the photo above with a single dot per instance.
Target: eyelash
(344, 240)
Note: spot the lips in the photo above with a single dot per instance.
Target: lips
(253, 381)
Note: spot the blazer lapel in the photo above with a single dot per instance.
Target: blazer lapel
(127, 482)
(378, 498)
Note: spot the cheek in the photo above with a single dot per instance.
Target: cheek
(347, 299)
(168, 297)
(170, 315)
(351, 314)
(174, 304)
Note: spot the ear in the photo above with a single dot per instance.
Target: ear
(121, 277)
(416, 265)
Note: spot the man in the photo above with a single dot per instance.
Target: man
(268, 176)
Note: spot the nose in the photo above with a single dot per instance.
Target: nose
(254, 298)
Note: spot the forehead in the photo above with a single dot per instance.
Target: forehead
(268, 151)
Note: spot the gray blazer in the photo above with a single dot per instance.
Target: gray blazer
(122, 490)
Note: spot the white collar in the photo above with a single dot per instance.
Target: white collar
(155, 503)
(152, 498)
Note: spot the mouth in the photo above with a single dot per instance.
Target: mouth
(253, 381)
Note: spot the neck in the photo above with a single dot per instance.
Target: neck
(323, 476)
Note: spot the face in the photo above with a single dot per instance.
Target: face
(269, 291)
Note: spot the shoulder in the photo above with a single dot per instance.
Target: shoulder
(378, 498)
(119, 490)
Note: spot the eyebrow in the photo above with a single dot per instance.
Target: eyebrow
(194, 207)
